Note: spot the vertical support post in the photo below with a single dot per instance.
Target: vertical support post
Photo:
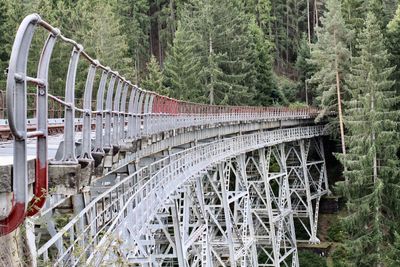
(41, 181)
(177, 234)
(138, 130)
(123, 112)
(107, 130)
(98, 147)
(69, 122)
(228, 222)
(286, 188)
(133, 99)
(115, 116)
(310, 210)
(264, 166)
(87, 115)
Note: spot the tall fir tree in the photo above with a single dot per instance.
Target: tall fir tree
(264, 80)
(331, 57)
(182, 67)
(372, 165)
(154, 80)
(393, 44)
(305, 70)
(135, 24)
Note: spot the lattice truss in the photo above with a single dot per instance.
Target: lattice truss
(238, 213)
(305, 163)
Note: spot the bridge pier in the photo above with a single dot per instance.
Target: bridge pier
(306, 167)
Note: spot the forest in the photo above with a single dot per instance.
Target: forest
(340, 55)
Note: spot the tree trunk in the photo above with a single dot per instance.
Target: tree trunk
(211, 74)
(339, 98)
(373, 137)
(308, 22)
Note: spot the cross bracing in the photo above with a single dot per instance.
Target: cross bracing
(221, 201)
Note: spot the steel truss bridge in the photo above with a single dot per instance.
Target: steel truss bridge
(140, 179)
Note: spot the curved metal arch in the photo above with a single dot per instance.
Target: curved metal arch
(16, 93)
(86, 154)
(122, 110)
(133, 99)
(98, 146)
(41, 182)
(107, 116)
(69, 156)
(116, 115)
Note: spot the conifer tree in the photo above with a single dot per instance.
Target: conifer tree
(393, 44)
(264, 81)
(182, 67)
(305, 69)
(155, 78)
(331, 57)
(372, 165)
(135, 26)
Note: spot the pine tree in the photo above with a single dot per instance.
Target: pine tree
(135, 24)
(11, 15)
(372, 166)
(264, 80)
(155, 78)
(393, 44)
(222, 49)
(104, 37)
(331, 57)
(305, 69)
(182, 67)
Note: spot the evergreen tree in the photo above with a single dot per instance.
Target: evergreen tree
(104, 37)
(305, 70)
(372, 165)
(264, 80)
(182, 68)
(135, 24)
(155, 78)
(11, 15)
(393, 44)
(224, 49)
(331, 57)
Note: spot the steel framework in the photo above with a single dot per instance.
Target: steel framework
(220, 203)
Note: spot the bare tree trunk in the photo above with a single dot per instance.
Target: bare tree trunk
(160, 55)
(373, 137)
(308, 22)
(339, 98)
(172, 15)
(287, 31)
(316, 13)
(211, 74)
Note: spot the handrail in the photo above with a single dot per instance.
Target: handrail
(16, 93)
(41, 181)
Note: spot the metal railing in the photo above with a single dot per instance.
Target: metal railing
(123, 112)
(132, 202)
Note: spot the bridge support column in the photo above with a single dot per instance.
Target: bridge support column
(308, 182)
(271, 208)
(177, 234)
